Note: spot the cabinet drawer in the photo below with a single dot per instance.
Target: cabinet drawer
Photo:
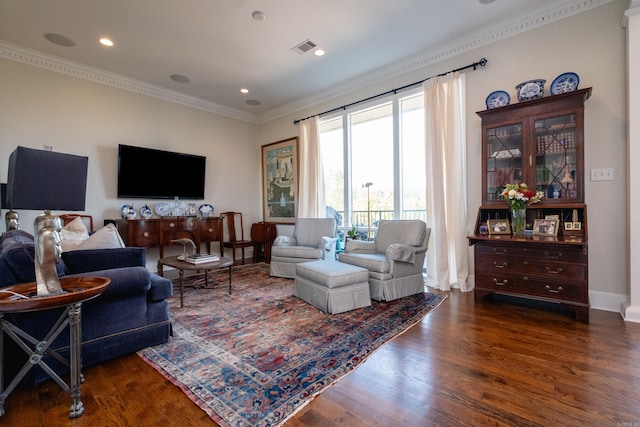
(180, 224)
(210, 229)
(142, 233)
(531, 266)
(557, 290)
(564, 253)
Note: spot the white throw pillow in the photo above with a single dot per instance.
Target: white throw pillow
(73, 234)
(105, 238)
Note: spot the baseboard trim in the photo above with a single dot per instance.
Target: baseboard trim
(606, 301)
(629, 313)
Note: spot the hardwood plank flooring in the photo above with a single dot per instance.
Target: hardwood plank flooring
(465, 364)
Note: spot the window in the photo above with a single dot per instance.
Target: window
(382, 144)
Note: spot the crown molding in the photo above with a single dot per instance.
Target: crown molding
(416, 62)
(488, 36)
(52, 63)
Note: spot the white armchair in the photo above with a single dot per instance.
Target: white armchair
(313, 239)
(394, 259)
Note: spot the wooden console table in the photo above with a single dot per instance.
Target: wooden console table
(159, 232)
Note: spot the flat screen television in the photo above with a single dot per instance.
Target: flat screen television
(147, 173)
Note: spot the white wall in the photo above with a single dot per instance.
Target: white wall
(591, 44)
(40, 107)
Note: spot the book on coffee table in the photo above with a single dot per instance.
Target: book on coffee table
(201, 258)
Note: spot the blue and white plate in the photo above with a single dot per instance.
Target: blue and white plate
(206, 210)
(498, 98)
(531, 89)
(125, 209)
(565, 82)
(162, 209)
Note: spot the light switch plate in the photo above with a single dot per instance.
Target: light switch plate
(603, 174)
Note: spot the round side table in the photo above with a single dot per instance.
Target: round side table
(22, 298)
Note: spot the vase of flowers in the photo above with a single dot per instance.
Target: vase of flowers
(518, 197)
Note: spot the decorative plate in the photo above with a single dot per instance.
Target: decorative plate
(531, 89)
(125, 209)
(498, 98)
(565, 82)
(206, 210)
(162, 209)
(145, 212)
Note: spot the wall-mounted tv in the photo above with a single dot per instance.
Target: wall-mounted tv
(147, 173)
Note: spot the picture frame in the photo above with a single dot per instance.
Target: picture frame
(280, 181)
(545, 227)
(577, 226)
(499, 226)
(552, 217)
(568, 226)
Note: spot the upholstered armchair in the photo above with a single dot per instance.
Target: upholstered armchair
(313, 239)
(394, 259)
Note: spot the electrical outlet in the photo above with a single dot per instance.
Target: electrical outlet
(603, 174)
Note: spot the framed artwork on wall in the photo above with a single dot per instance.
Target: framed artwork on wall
(280, 181)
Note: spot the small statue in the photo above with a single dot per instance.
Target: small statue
(47, 253)
(12, 219)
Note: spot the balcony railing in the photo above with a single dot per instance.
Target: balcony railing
(360, 218)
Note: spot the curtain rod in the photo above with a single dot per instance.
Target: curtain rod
(475, 65)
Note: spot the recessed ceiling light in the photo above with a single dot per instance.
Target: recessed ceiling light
(318, 52)
(253, 102)
(59, 39)
(106, 42)
(258, 16)
(243, 90)
(179, 78)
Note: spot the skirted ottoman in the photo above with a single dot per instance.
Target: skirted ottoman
(332, 286)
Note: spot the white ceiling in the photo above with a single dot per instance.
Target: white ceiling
(221, 48)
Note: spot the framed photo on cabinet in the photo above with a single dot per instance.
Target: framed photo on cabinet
(280, 181)
(545, 227)
(499, 226)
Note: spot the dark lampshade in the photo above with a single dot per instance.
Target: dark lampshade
(40, 179)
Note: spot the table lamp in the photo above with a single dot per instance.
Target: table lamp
(41, 179)
(11, 218)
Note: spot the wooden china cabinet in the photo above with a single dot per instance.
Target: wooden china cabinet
(541, 143)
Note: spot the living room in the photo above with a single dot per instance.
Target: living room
(46, 103)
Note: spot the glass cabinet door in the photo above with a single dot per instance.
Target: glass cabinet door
(556, 157)
(504, 152)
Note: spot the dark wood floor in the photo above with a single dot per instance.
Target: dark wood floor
(465, 364)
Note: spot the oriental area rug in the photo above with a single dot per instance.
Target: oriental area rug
(256, 357)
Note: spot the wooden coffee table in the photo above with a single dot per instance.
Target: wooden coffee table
(181, 266)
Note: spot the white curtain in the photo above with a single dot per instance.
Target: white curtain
(445, 152)
(311, 203)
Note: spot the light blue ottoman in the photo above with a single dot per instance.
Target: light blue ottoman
(332, 286)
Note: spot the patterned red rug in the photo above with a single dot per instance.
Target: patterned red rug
(256, 357)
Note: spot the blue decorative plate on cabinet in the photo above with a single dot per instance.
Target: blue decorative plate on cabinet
(565, 82)
(206, 210)
(498, 98)
(531, 89)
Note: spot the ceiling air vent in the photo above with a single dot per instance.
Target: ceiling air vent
(304, 47)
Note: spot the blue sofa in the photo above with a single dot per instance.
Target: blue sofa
(131, 314)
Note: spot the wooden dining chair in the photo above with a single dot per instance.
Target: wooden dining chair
(235, 229)
(87, 219)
